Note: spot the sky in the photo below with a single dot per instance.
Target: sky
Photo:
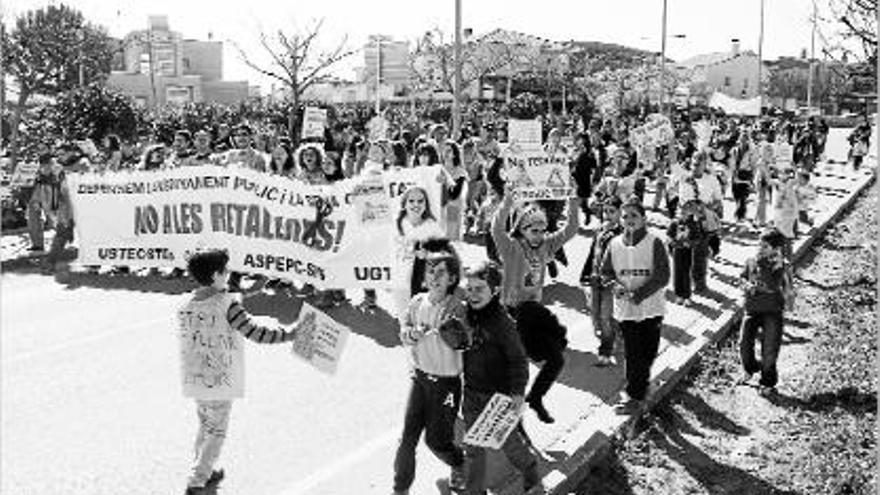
(708, 25)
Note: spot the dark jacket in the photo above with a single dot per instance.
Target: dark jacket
(582, 170)
(496, 362)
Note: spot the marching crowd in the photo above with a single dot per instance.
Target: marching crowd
(470, 331)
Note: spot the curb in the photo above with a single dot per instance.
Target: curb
(564, 478)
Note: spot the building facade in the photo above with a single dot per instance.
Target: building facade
(160, 67)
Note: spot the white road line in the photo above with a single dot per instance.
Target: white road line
(45, 351)
(338, 468)
(24, 356)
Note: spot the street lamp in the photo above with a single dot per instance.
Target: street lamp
(456, 102)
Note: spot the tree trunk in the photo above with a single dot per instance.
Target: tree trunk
(16, 119)
(291, 119)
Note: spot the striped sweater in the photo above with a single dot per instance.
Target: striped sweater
(242, 322)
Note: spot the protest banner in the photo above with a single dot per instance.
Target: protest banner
(25, 174)
(783, 154)
(537, 175)
(378, 128)
(372, 204)
(212, 355)
(319, 339)
(270, 225)
(314, 121)
(494, 424)
(607, 104)
(525, 133)
(703, 130)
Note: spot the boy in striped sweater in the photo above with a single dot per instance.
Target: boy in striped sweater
(212, 323)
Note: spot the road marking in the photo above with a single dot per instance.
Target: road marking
(334, 470)
(45, 351)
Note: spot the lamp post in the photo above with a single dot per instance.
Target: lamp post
(456, 101)
(761, 62)
(663, 63)
(812, 57)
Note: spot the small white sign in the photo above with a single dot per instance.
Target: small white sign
(526, 133)
(24, 175)
(495, 423)
(378, 127)
(319, 340)
(314, 121)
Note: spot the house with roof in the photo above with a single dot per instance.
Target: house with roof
(733, 73)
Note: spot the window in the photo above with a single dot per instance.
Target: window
(726, 81)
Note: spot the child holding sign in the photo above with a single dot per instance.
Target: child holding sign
(212, 358)
(495, 363)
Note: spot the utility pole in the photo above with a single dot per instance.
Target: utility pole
(812, 58)
(152, 69)
(378, 72)
(761, 62)
(2, 79)
(662, 64)
(456, 90)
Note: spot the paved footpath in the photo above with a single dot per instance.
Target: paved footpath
(353, 419)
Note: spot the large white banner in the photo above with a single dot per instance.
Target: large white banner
(270, 225)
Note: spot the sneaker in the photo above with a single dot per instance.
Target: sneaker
(458, 478)
(767, 391)
(629, 407)
(537, 405)
(604, 361)
(217, 475)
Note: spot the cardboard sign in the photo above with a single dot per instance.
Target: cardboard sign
(314, 121)
(783, 154)
(371, 202)
(495, 423)
(24, 175)
(212, 353)
(537, 175)
(525, 133)
(378, 128)
(319, 340)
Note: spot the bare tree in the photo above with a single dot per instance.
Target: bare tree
(297, 64)
(433, 68)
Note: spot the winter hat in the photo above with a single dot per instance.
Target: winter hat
(530, 215)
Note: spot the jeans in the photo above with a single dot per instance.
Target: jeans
(641, 340)
(771, 340)
(517, 448)
(213, 422)
(741, 197)
(604, 326)
(63, 235)
(682, 261)
(432, 406)
(700, 263)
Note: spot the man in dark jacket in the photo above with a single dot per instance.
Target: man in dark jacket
(495, 363)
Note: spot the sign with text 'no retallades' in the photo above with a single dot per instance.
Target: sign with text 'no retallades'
(537, 175)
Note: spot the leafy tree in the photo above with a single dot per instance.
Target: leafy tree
(525, 106)
(48, 51)
(297, 64)
(95, 111)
